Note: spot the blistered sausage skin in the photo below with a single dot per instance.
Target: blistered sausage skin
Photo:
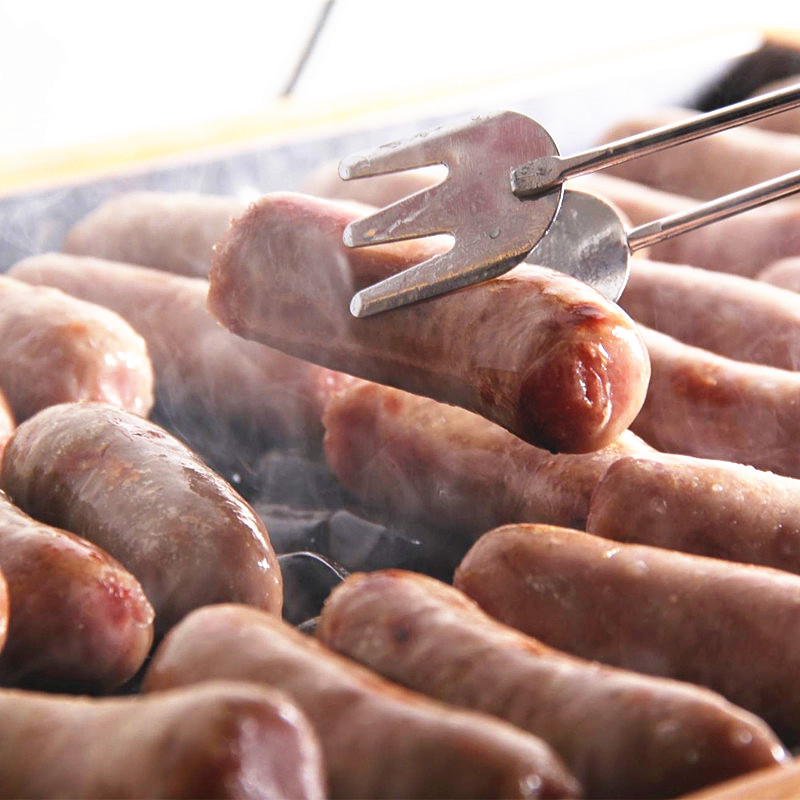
(198, 364)
(707, 167)
(55, 349)
(220, 740)
(173, 231)
(131, 488)
(705, 405)
(414, 458)
(622, 734)
(784, 272)
(539, 353)
(379, 740)
(80, 621)
(730, 627)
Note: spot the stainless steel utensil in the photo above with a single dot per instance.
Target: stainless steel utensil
(498, 209)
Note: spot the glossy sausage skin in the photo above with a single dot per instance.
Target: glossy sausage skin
(730, 627)
(131, 488)
(80, 621)
(705, 405)
(220, 740)
(55, 349)
(537, 352)
(414, 458)
(173, 231)
(379, 740)
(622, 734)
(240, 387)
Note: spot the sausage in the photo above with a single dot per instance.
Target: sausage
(621, 734)
(539, 353)
(131, 488)
(426, 461)
(379, 740)
(6, 422)
(702, 506)
(252, 392)
(736, 317)
(705, 405)
(80, 621)
(173, 231)
(784, 272)
(3, 612)
(775, 783)
(730, 627)
(708, 167)
(742, 245)
(55, 348)
(221, 740)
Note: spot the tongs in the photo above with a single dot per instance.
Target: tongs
(503, 200)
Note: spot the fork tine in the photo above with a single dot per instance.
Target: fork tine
(418, 214)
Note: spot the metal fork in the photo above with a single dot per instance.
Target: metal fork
(501, 194)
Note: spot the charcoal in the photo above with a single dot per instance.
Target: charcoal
(308, 579)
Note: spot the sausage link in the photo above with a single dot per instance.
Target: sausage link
(131, 488)
(784, 272)
(379, 740)
(730, 627)
(55, 349)
(539, 353)
(220, 740)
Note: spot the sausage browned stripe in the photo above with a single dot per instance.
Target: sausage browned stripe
(6, 422)
(55, 348)
(742, 245)
(702, 506)
(80, 621)
(220, 740)
(450, 469)
(174, 231)
(736, 317)
(131, 488)
(198, 364)
(622, 734)
(784, 273)
(708, 167)
(539, 353)
(379, 740)
(705, 405)
(730, 627)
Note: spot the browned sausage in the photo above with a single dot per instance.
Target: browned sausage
(784, 272)
(80, 621)
(708, 167)
(6, 422)
(736, 317)
(539, 353)
(426, 461)
(173, 231)
(131, 488)
(622, 734)
(221, 740)
(702, 506)
(742, 245)
(264, 394)
(55, 348)
(701, 404)
(731, 627)
(379, 740)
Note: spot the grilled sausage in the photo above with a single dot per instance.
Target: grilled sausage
(131, 488)
(621, 734)
(708, 167)
(784, 272)
(379, 740)
(730, 627)
(245, 389)
(79, 621)
(55, 349)
(426, 461)
(537, 352)
(6, 422)
(704, 405)
(221, 740)
(173, 231)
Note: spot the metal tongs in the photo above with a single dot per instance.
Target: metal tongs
(503, 200)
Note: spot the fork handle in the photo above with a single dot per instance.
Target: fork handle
(542, 174)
